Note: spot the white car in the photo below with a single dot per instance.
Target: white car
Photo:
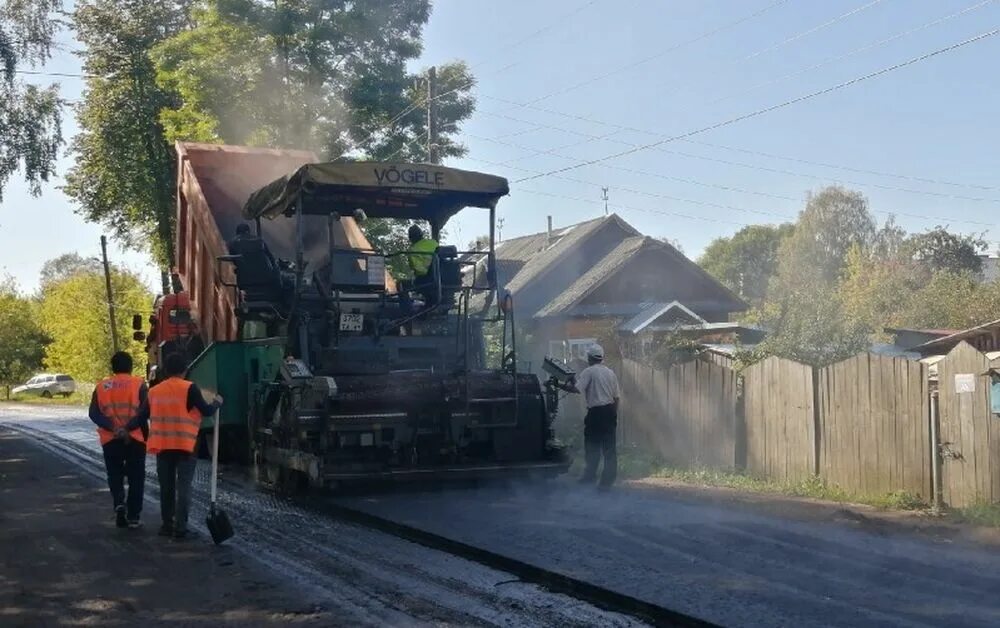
(47, 386)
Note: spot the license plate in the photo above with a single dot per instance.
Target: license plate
(351, 322)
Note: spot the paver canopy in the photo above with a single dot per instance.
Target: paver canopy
(382, 190)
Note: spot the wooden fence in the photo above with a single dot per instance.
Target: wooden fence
(685, 414)
(779, 410)
(874, 430)
(863, 424)
(969, 432)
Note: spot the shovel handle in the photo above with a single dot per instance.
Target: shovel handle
(215, 457)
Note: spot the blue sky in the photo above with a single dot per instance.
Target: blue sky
(661, 69)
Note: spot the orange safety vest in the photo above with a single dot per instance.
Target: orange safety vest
(118, 399)
(171, 424)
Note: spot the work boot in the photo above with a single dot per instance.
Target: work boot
(166, 530)
(120, 519)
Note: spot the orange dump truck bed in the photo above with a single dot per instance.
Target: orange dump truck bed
(213, 183)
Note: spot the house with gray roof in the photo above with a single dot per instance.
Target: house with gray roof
(575, 284)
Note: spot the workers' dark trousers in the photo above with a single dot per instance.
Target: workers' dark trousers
(175, 470)
(600, 437)
(126, 459)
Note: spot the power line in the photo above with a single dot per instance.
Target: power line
(633, 208)
(662, 53)
(643, 173)
(855, 51)
(555, 153)
(880, 173)
(937, 219)
(420, 102)
(622, 127)
(55, 74)
(759, 112)
(814, 29)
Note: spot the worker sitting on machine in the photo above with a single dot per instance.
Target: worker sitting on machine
(420, 257)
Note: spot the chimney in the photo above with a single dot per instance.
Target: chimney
(548, 239)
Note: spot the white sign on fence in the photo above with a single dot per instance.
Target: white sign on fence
(965, 383)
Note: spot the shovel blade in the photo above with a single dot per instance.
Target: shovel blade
(219, 525)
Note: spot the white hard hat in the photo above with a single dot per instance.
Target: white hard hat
(595, 352)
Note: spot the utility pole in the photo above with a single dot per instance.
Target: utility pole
(432, 123)
(107, 286)
(604, 197)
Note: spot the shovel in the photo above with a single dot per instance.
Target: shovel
(217, 520)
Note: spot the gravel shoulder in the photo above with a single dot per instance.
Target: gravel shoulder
(62, 560)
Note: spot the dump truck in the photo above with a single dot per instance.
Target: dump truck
(333, 373)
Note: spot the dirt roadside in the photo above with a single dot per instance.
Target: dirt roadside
(939, 528)
(63, 562)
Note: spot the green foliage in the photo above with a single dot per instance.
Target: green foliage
(79, 398)
(67, 265)
(124, 175)
(746, 261)
(981, 513)
(309, 74)
(803, 310)
(952, 301)
(30, 116)
(813, 487)
(939, 250)
(22, 340)
(74, 314)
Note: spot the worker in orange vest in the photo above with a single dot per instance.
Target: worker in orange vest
(117, 407)
(176, 408)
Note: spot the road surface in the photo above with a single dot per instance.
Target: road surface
(357, 576)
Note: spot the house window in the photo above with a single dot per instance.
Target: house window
(578, 347)
(557, 350)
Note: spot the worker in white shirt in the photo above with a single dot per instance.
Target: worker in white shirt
(601, 392)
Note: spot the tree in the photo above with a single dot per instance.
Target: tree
(74, 314)
(67, 265)
(313, 74)
(877, 287)
(22, 341)
(833, 221)
(481, 243)
(803, 311)
(124, 175)
(746, 261)
(940, 250)
(952, 301)
(30, 116)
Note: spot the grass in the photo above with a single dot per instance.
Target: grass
(635, 464)
(79, 398)
(982, 514)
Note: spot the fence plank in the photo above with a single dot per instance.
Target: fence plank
(873, 425)
(778, 412)
(967, 430)
(686, 414)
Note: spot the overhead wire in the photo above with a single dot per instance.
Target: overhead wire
(886, 212)
(421, 102)
(775, 107)
(636, 63)
(590, 137)
(625, 127)
(854, 51)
